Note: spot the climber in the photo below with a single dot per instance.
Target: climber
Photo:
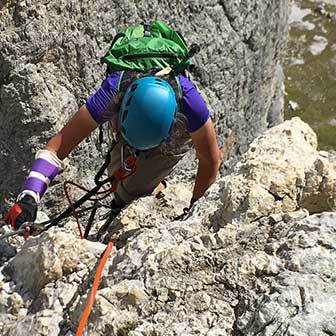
(155, 114)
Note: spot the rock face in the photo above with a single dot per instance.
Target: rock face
(280, 174)
(52, 256)
(257, 254)
(215, 274)
(49, 64)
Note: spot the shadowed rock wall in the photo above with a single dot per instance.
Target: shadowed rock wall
(49, 63)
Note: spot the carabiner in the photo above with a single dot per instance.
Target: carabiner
(124, 165)
(25, 230)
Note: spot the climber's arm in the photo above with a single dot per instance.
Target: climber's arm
(48, 163)
(76, 129)
(209, 158)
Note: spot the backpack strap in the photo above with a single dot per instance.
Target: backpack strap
(125, 80)
(164, 71)
(172, 78)
(179, 93)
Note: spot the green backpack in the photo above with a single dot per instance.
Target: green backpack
(149, 45)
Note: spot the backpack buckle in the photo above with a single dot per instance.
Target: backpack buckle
(147, 28)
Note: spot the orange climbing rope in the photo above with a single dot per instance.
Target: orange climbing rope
(91, 297)
(120, 174)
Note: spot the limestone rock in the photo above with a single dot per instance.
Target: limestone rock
(45, 323)
(148, 212)
(302, 298)
(7, 251)
(116, 308)
(281, 172)
(173, 265)
(319, 191)
(202, 276)
(51, 256)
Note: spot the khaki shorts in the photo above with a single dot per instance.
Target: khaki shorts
(152, 167)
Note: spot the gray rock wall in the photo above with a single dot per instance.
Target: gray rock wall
(49, 63)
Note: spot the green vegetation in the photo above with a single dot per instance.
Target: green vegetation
(313, 84)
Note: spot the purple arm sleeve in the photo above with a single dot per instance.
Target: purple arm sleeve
(35, 185)
(100, 103)
(193, 105)
(41, 174)
(46, 168)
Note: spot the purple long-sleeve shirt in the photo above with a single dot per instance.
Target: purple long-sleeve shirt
(193, 105)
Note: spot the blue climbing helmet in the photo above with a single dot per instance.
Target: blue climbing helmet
(147, 113)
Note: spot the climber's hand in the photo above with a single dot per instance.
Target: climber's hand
(184, 216)
(22, 212)
(186, 211)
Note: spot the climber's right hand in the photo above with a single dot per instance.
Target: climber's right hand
(23, 211)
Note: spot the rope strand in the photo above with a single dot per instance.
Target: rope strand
(93, 292)
(120, 174)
